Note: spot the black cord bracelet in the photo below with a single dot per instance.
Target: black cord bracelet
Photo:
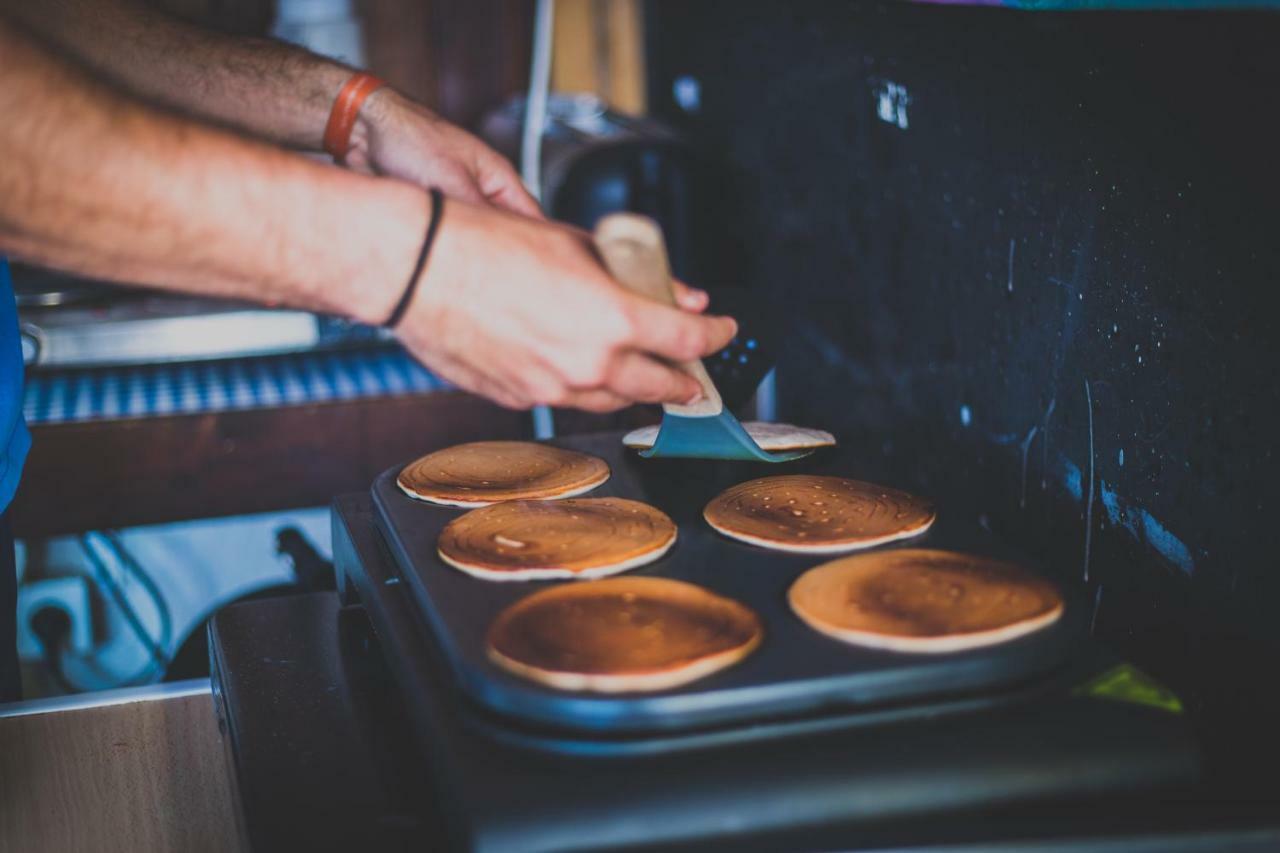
(437, 213)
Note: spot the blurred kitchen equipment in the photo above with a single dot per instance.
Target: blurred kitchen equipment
(595, 161)
(328, 27)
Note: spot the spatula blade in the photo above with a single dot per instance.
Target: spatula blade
(716, 437)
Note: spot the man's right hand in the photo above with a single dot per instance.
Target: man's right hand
(523, 312)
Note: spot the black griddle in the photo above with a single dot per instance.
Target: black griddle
(970, 766)
(795, 673)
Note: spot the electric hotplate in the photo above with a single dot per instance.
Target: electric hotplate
(834, 778)
(796, 671)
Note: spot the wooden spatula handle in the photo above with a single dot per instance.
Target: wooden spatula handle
(636, 255)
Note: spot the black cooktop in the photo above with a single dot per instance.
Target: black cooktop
(848, 779)
(797, 671)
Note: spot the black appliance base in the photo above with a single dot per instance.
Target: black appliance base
(837, 781)
(796, 671)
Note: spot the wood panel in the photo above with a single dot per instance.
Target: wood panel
(103, 474)
(461, 58)
(464, 58)
(397, 42)
(599, 47)
(628, 74)
(578, 52)
(136, 778)
(481, 50)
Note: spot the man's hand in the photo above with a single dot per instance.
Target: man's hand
(524, 313)
(402, 139)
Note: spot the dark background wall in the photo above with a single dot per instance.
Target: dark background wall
(1031, 257)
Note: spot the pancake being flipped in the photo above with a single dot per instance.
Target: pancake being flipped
(543, 540)
(818, 515)
(486, 472)
(772, 437)
(622, 635)
(918, 600)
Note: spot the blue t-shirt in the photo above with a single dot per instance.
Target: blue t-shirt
(15, 441)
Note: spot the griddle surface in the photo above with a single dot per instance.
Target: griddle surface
(796, 670)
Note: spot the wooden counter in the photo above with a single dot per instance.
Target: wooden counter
(133, 771)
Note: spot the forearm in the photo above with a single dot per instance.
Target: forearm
(93, 181)
(263, 87)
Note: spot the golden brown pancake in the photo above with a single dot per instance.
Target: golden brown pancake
(918, 600)
(814, 514)
(770, 436)
(486, 472)
(541, 540)
(622, 635)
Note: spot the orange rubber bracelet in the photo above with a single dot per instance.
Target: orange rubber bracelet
(346, 108)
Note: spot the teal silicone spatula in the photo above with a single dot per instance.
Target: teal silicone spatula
(636, 255)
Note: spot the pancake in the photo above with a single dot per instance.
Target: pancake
(817, 515)
(543, 540)
(622, 635)
(486, 472)
(772, 437)
(918, 600)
